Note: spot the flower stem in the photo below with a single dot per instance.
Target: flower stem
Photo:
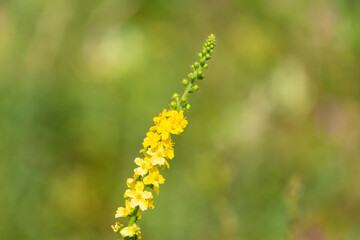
(187, 91)
(133, 218)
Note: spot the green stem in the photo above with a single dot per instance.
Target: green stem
(133, 218)
(187, 90)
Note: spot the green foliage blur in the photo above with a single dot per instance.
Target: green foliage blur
(271, 151)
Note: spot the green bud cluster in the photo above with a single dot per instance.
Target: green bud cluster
(180, 103)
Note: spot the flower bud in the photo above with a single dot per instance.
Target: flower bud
(183, 100)
(195, 88)
(207, 56)
(200, 55)
(199, 72)
(202, 61)
(204, 51)
(205, 66)
(173, 104)
(187, 107)
(192, 76)
(175, 96)
(185, 82)
(196, 65)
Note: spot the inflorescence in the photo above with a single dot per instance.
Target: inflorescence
(157, 151)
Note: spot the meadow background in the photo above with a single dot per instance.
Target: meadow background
(272, 147)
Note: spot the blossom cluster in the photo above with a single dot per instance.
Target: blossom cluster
(157, 150)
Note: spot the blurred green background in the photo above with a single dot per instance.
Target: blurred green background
(272, 147)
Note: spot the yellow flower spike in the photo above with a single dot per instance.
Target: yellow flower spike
(138, 196)
(128, 231)
(158, 149)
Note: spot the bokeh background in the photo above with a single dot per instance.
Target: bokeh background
(272, 147)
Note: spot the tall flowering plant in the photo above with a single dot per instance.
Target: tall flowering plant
(158, 150)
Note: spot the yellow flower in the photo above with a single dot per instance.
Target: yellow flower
(171, 121)
(152, 139)
(168, 148)
(162, 130)
(157, 156)
(178, 122)
(128, 231)
(124, 211)
(144, 166)
(155, 179)
(138, 196)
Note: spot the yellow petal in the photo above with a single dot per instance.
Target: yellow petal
(139, 186)
(143, 205)
(161, 179)
(147, 180)
(138, 161)
(127, 205)
(146, 195)
(133, 203)
(130, 182)
(130, 193)
(156, 190)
